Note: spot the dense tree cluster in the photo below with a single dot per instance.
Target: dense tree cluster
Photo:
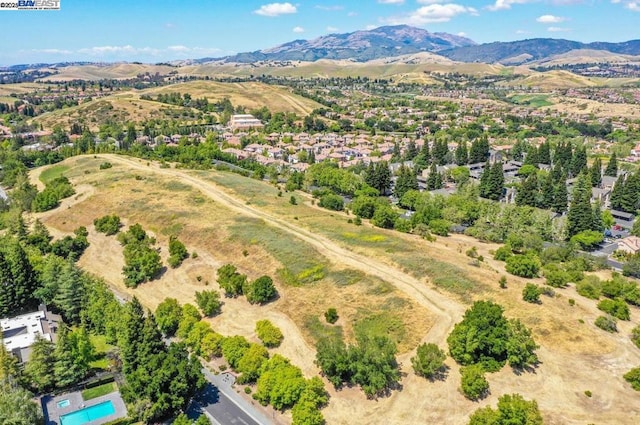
(142, 261)
(108, 224)
(259, 291)
(268, 333)
(512, 409)
(55, 190)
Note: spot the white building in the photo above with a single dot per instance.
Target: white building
(244, 121)
(19, 333)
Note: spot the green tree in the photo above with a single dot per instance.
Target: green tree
(70, 295)
(17, 406)
(612, 166)
(251, 362)
(531, 293)
(261, 291)
(209, 302)
(384, 216)
(429, 361)
(108, 224)
(142, 263)
(407, 180)
(280, 383)
(481, 337)
(580, 215)
(331, 315)
(560, 197)
(39, 369)
(473, 383)
(268, 333)
(579, 161)
(434, 180)
(595, 172)
(462, 153)
(495, 184)
(527, 194)
(332, 202)
(617, 308)
(520, 346)
(616, 193)
(233, 348)
(19, 280)
(513, 409)
(177, 252)
(168, 315)
(526, 266)
(67, 371)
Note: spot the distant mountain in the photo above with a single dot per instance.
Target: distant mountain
(524, 51)
(360, 46)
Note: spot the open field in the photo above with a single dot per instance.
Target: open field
(251, 95)
(379, 281)
(109, 71)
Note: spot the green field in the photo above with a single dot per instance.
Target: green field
(534, 101)
(52, 173)
(99, 391)
(101, 349)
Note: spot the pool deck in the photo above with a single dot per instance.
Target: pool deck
(52, 412)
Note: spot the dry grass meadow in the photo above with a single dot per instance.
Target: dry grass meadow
(379, 281)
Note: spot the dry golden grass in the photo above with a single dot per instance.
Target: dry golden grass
(251, 95)
(19, 88)
(575, 356)
(110, 71)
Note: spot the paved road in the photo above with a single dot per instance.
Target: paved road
(224, 405)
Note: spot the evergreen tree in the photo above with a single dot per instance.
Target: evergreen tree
(630, 193)
(479, 151)
(547, 192)
(579, 161)
(396, 156)
(556, 173)
(563, 156)
(560, 197)
(71, 293)
(580, 215)
(131, 335)
(19, 280)
(527, 194)
(598, 224)
(434, 181)
(484, 180)
(378, 176)
(496, 182)
(596, 173)
(440, 151)
(616, 193)
(544, 154)
(406, 181)
(532, 156)
(612, 166)
(65, 369)
(462, 155)
(39, 368)
(519, 148)
(411, 152)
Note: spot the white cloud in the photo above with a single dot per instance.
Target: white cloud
(430, 1)
(632, 5)
(558, 29)
(462, 34)
(390, 1)
(276, 9)
(550, 19)
(332, 29)
(298, 30)
(52, 51)
(370, 27)
(506, 4)
(329, 8)
(432, 13)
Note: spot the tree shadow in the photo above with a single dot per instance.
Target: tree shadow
(518, 371)
(440, 375)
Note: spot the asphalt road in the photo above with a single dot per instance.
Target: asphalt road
(222, 404)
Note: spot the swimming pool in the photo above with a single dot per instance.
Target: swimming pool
(84, 416)
(63, 403)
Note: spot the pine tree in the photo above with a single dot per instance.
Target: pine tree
(580, 215)
(434, 181)
(406, 181)
(411, 152)
(39, 368)
(484, 180)
(596, 172)
(630, 193)
(598, 224)
(528, 192)
(532, 156)
(396, 156)
(65, 369)
(495, 184)
(479, 151)
(131, 335)
(547, 192)
(616, 193)
(560, 197)
(462, 155)
(556, 172)
(579, 161)
(440, 151)
(70, 296)
(612, 166)
(544, 154)
(19, 278)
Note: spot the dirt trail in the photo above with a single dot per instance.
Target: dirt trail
(447, 310)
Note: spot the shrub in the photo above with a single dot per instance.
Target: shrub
(268, 333)
(503, 282)
(526, 266)
(142, 263)
(177, 252)
(261, 290)
(109, 224)
(588, 393)
(556, 276)
(331, 315)
(607, 323)
(589, 287)
(440, 227)
(231, 281)
(428, 361)
(635, 336)
(384, 217)
(531, 293)
(105, 165)
(332, 202)
(633, 377)
(402, 225)
(617, 308)
(512, 409)
(209, 302)
(588, 240)
(503, 253)
(473, 384)
(292, 200)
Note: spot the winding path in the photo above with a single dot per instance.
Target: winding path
(448, 312)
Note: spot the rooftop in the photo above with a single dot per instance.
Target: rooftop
(20, 332)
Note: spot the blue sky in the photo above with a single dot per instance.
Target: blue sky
(154, 31)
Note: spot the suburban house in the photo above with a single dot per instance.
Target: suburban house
(630, 244)
(19, 333)
(244, 121)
